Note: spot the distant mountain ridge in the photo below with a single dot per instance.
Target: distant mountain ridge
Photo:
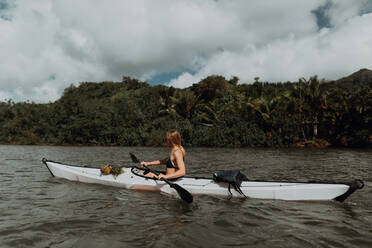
(363, 76)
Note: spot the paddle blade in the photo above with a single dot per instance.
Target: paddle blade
(134, 158)
(183, 193)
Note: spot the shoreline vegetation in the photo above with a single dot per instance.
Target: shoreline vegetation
(215, 112)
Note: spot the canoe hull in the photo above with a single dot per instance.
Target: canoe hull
(297, 191)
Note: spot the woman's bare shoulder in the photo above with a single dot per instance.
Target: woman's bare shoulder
(177, 151)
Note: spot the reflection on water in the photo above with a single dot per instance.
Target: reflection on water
(41, 211)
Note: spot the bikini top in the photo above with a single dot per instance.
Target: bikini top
(169, 164)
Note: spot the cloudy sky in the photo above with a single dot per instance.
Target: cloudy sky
(47, 45)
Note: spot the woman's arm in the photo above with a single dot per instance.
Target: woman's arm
(156, 162)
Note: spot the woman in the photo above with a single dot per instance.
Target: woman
(175, 164)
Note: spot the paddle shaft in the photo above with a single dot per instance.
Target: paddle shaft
(156, 173)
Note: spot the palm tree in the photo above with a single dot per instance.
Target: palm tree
(310, 100)
(186, 103)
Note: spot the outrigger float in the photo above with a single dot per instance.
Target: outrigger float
(133, 178)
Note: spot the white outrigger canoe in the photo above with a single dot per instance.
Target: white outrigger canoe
(133, 178)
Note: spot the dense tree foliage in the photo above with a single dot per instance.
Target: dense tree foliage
(214, 112)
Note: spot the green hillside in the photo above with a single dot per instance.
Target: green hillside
(216, 112)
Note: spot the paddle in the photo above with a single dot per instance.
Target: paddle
(183, 193)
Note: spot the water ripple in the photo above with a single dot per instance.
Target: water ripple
(41, 211)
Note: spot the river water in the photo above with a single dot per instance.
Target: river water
(38, 210)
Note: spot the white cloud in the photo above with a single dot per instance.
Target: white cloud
(343, 10)
(47, 45)
(184, 80)
(4, 96)
(329, 53)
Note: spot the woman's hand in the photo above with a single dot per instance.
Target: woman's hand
(161, 176)
(144, 163)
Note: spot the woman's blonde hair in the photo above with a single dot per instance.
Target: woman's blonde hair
(174, 138)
